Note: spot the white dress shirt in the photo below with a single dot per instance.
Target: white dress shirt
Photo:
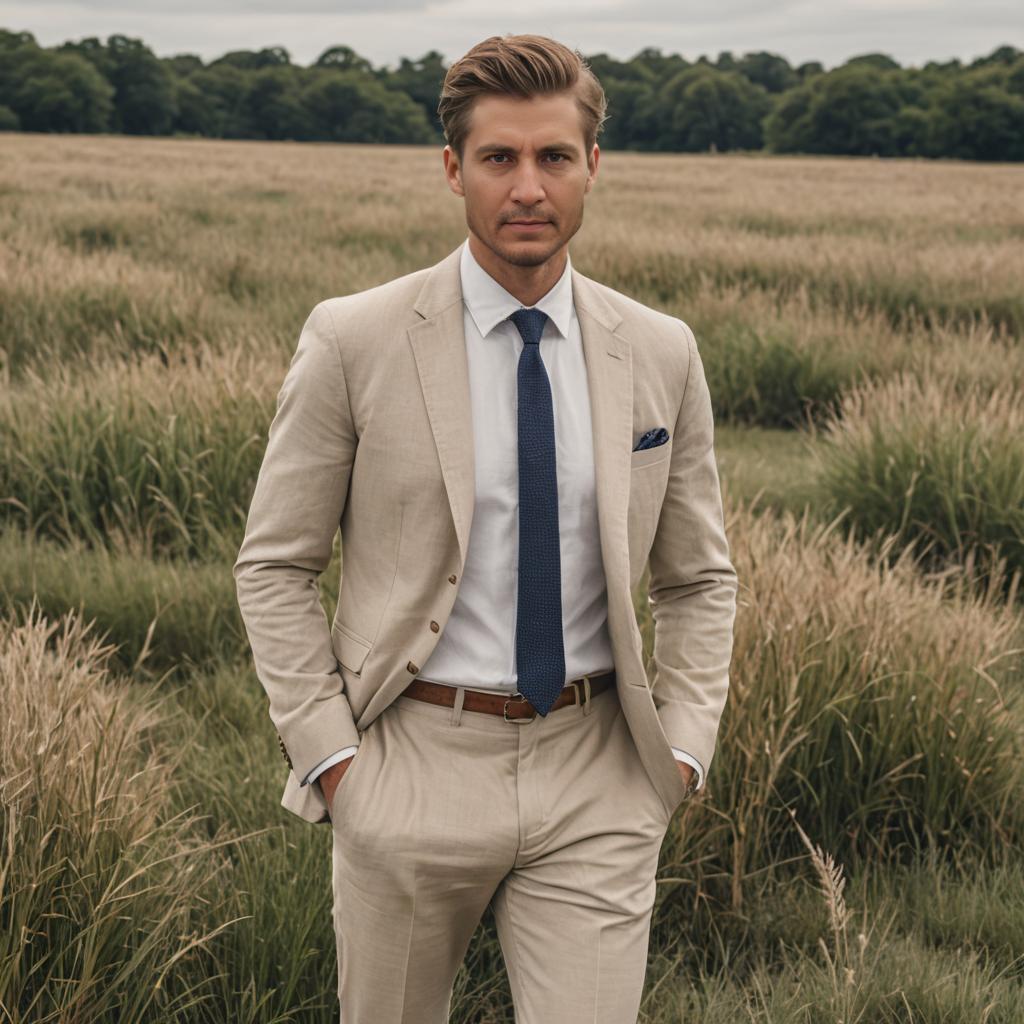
(477, 647)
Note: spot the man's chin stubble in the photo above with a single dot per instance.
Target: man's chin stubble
(528, 256)
(526, 259)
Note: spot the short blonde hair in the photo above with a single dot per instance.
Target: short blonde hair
(519, 65)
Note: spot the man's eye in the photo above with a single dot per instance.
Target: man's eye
(504, 156)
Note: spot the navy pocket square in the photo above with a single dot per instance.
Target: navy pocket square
(651, 439)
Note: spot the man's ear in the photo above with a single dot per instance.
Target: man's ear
(595, 156)
(452, 170)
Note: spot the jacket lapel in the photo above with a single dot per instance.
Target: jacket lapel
(439, 347)
(609, 362)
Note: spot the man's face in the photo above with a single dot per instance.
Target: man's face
(523, 160)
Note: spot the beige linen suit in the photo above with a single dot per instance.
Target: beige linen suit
(373, 434)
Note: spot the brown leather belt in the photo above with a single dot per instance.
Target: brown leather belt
(512, 707)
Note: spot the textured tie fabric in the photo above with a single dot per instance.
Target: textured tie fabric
(540, 655)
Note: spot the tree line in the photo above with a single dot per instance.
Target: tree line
(870, 105)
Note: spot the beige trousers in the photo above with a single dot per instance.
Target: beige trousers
(443, 811)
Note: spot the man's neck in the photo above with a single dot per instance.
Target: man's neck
(527, 284)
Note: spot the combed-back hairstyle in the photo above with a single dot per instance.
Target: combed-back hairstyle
(519, 65)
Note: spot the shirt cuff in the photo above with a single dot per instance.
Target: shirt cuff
(681, 755)
(328, 761)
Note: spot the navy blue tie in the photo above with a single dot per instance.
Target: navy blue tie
(540, 656)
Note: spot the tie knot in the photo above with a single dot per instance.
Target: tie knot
(530, 323)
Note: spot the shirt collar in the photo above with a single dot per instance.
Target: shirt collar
(489, 303)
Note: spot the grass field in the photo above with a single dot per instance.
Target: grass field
(858, 855)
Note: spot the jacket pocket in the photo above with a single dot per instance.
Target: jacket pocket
(650, 456)
(349, 648)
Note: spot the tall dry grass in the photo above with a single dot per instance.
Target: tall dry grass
(118, 244)
(783, 360)
(159, 459)
(161, 616)
(103, 892)
(933, 464)
(150, 291)
(880, 706)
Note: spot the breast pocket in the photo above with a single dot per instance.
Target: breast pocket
(649, 456)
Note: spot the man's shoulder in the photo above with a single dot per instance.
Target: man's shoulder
(368, 321)
(397, 294)
(641, 320)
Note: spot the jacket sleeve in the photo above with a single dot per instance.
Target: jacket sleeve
(289, 535)
(692, 581)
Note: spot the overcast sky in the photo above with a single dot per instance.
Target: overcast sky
(912, 31)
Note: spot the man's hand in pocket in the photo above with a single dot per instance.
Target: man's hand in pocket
(330, 777)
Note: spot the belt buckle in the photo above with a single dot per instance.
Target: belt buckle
(517, 721)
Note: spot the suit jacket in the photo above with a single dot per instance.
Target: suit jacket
(373, 434)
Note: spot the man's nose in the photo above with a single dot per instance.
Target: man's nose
(527, 187)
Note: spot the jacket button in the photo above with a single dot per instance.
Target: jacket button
(452, 578)
(412, 668)
(434, 626)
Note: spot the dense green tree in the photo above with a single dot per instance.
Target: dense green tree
(657, 65)
(1015, 78)
(195, 113)
(144, 93)
(343, 58)
(629, 87)
(609, 69)
(878, 61)
(942, 67)
(768, 70)
(255, 60)
(143, 86)
(702, 109)
(1000, 55)
(14, 50)
(55, 92)
(910, 128)
(632, 121)
(349, 106)
(274, 105)
(183, 64)
(726, 61)
(421, 81)
(788, 126)
(15, 40)
(975, 117)
(92, 49)
(849, 111)
(656, 101)
(212, 102)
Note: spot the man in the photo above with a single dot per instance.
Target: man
(504, 444)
